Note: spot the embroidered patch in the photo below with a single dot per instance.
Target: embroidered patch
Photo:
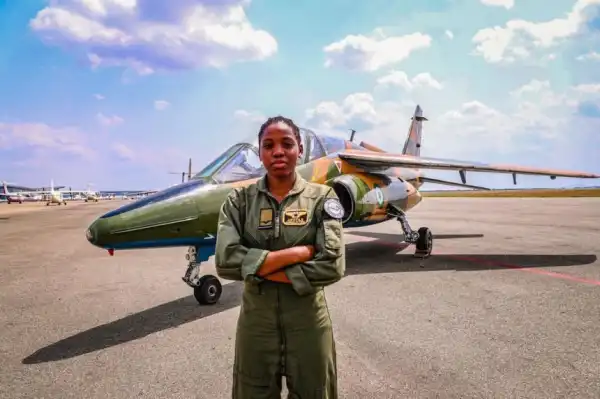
(333, 208)
(295, 217)
(266, 218)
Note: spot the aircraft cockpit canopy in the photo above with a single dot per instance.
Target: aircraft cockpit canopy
(241, 161)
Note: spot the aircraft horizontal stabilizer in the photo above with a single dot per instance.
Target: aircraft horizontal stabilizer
(371, 161)
(451, 183)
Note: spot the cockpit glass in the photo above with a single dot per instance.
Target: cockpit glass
(241, 161)
(216, 164)
(316, 150)
(333, 144)
(244, 165)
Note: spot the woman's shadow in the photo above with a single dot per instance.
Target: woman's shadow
(378, 256)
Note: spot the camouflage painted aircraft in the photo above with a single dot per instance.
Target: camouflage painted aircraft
(374, 186)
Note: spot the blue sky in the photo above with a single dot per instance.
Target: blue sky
(119, 92)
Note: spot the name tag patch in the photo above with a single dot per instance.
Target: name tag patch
(295, 217)
(265, 220)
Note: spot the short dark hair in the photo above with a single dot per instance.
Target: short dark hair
(283, 119)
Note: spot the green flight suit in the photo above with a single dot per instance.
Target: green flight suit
(283, 329)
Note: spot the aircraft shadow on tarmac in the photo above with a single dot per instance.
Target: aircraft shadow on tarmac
(367, 257)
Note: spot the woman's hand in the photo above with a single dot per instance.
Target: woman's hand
(278, 260)
(279, 277)
(304, 253)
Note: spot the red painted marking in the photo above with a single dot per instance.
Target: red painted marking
(498, 264)
(525, 269)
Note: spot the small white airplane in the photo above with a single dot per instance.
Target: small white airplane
(20, 196)
(53, 196)
(89, 195)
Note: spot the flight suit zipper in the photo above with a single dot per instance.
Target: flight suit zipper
(276, 227)
(277, 207)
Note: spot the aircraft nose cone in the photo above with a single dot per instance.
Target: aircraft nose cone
(89, 234)
(168, 218)
(95, 232)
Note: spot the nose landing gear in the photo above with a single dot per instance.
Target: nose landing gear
(207, 288)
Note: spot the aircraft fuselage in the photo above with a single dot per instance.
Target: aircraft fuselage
(187, 214)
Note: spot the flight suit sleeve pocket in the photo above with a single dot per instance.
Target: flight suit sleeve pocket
(332, 232)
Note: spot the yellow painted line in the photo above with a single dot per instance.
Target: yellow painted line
(535, 193)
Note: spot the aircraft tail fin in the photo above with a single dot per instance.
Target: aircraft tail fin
(4, 188)
(412, 145)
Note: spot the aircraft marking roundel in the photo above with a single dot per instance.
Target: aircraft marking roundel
(379, 196)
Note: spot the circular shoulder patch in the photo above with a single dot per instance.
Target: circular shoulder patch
(333, 208)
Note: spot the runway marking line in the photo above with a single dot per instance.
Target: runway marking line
(489, 262)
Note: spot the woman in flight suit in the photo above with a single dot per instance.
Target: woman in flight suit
(283, 237)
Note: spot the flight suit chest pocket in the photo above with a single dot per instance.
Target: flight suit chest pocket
(297, 224)
(260, 226)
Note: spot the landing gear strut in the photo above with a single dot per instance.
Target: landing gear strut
(207, 288)
(423, 238)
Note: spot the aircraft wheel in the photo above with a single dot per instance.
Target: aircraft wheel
(47, 204)
(425, 243)
(208, 291)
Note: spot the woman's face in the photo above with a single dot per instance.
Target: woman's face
(279, 150)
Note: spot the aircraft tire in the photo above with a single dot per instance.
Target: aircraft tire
(208, 291)
(425, 243)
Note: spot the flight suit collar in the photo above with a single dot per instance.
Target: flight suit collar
(298, 187)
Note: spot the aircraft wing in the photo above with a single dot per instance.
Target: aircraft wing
(372, 161)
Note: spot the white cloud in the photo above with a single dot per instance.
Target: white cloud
(449, 34)
(400, 79)
(161, 105)
(537, 118)
(42, 137)
(151, 35)
(371, 53)
(108, 120)
(99, 97)
(588, 88)
(249, 116)
(356, 111)
(520, 38)
(508, 4)
(123, 152)
(591, 56)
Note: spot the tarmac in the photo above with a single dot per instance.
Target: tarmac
(507, 307)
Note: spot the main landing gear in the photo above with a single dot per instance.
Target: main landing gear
(207, 288)
(422, 238)
(59, 203)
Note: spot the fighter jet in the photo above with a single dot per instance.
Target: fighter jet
(373, 186)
